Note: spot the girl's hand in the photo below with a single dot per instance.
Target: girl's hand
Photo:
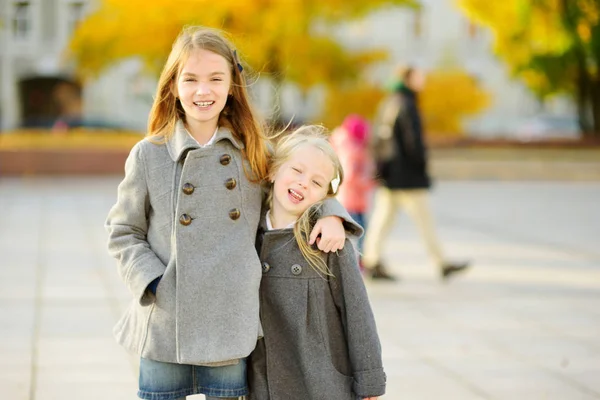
(331, 232)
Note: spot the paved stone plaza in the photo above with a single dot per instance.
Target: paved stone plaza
(524, 323)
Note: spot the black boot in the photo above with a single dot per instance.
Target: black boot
(379, 272)
(452, 268)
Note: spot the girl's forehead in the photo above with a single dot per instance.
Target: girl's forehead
(308, 149)
(200, 59)
(312, 156)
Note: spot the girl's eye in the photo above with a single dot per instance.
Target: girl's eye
(188, 80)
(296, 169)
(317, 183)
(217, 79)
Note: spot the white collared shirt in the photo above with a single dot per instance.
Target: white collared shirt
(270, 226)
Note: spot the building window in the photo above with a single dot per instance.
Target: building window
(74, 14)
(22, 20)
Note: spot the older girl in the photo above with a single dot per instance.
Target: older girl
(184, 227)
(320, 339)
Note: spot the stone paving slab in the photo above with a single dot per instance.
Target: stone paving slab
(524, 323)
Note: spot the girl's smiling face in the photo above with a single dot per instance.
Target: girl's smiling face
(301, 181)
(202, 87)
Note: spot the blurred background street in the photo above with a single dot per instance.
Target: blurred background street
(523, 323)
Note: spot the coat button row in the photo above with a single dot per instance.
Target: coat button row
(185, 219)
(225, 159)
(188, 188)
(296, 268)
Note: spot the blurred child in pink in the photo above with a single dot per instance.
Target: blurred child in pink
(350, 141)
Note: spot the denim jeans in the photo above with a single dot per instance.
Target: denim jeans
(166, 381)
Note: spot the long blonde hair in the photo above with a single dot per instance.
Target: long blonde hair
(238, 114)
(311, 135)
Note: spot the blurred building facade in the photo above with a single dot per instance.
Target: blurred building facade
(38, 86)
(35, 33)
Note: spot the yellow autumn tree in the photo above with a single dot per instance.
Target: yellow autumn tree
(284, 40)
(449, 96)
(552, 45)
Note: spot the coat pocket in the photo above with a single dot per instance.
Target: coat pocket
(131, 329)
(331, 338)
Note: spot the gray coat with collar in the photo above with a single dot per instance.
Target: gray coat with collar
(190, 215)
(320, 339)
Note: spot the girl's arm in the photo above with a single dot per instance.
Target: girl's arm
(350, 297)
(330, 230)
(127, 227)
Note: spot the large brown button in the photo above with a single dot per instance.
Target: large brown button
(230, 183)
(225, 159)
(188, 188)
(234, 214)
(185, 219)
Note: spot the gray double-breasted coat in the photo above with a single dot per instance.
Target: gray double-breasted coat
(189, 214)
(320, 339)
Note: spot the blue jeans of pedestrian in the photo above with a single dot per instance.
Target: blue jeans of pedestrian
(361, 220)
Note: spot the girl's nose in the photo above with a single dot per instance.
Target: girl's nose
(202, 89)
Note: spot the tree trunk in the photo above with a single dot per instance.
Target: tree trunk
(595, 103)
(584, 100)
(276, 113)
(276, 76)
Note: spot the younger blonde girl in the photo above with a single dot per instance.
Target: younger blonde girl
(320, 339)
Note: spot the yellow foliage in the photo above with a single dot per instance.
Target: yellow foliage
(275, 37)
(362, 100)
(76, 139)
(447, 98)
(519, 28)
(526, 32)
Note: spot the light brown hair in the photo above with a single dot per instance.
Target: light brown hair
(238, 114)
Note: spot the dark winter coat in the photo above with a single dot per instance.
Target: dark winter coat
(405, 166)
(320, 339)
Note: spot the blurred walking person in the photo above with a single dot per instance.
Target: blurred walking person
(350, 141)
(400, 153)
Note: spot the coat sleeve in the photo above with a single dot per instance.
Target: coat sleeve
(351, 299)
(127, 226)
(332, 207)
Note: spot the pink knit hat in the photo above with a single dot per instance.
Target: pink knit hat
(357, 128)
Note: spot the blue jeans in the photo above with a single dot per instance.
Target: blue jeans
(167, 381)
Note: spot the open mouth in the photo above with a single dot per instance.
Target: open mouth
(295, 195)
(204, 104)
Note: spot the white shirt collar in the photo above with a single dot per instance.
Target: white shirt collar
(270, 226)
(210, 141)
